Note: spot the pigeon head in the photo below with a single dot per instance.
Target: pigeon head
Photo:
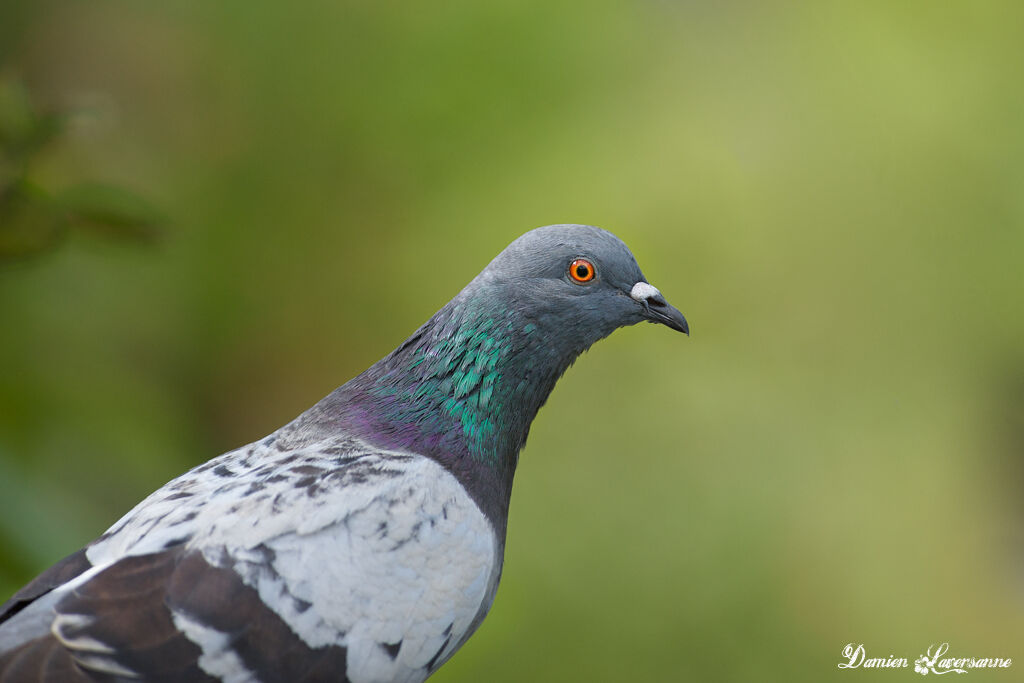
(464, 388)
(579, 282)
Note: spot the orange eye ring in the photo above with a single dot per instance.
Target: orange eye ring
(582, 271)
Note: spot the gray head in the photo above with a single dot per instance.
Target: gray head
(578, 280)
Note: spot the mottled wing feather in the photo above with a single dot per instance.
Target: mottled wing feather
(123, 624)
(330, 561)
(118, 621)
(218, 599)
(42, 659)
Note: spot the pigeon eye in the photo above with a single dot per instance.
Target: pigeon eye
(581, 270)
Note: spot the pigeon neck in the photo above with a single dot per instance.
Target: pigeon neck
(463, 390)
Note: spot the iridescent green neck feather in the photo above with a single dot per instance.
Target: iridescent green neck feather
(462, 390)
(473, 377)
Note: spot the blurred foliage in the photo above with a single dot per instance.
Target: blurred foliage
(831, 192)
(33, 221)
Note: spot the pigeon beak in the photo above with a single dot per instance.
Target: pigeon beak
(657, 309)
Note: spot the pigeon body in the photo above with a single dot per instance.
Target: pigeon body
(364, 540)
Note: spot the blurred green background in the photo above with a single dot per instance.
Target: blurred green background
(833, 193)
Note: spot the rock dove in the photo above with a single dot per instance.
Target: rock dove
(364, 540)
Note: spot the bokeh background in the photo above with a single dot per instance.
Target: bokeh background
(833, 193)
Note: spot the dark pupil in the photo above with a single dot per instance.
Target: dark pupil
(582, 271)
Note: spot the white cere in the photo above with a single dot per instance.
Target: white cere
(642, 291)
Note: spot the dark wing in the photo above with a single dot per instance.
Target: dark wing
(126, 623)
(57, 575)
